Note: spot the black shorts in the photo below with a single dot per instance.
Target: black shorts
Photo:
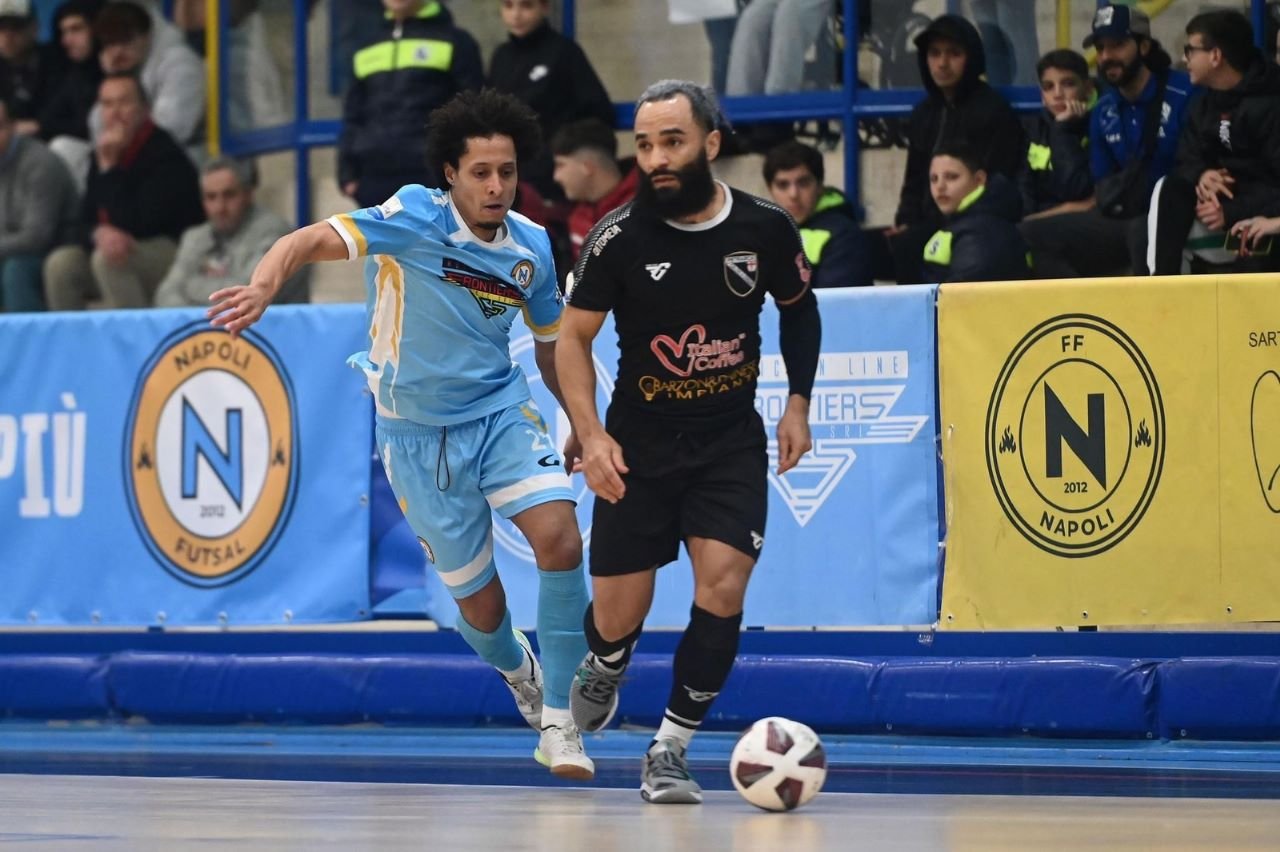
(712, 484)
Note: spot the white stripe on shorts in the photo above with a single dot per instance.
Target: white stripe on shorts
(474, 568)
(525, 487)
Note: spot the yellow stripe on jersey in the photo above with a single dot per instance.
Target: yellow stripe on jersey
(388, 318)
(541, 332)
(353, 230)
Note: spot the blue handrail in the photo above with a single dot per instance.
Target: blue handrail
(848, 104)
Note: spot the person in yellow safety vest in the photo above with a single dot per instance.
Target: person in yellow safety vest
(422, 61)
(833, 242)
(979, 239)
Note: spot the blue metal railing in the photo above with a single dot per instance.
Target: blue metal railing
(847, 105)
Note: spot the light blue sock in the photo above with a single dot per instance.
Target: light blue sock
(499, 648)
(562, 602)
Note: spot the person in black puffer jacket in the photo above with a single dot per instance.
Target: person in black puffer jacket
(552, 75)
(1228, 159)
(422, 62)
(958, 105)
(978, 239)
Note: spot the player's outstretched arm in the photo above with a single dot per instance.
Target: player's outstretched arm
(601, 461)
(237, 308)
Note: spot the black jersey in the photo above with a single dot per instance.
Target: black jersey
(686, 301)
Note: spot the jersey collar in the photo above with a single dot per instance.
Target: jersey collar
(464, 233)
(725, 209)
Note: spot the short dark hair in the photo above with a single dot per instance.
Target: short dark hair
(1228, 31)
(120, 22)
(960, 150)
(480, 115)
(1063, 59)
(702, 101)
(132, 76)
(791, 155)
(589, 133)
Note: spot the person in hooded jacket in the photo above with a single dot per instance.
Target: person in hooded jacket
(66, 112)
(958, 105)
(1228, 159)
(422, 61)
(1055, 177)
(833, 242)
(552, 75)
(979, 239)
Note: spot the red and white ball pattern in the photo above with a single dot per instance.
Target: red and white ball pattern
(778, 764)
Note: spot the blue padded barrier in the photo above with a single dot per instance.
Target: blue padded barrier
(314, 689)
(46, 686)
(1102, 697)
(1220, 698)
(1081, 697)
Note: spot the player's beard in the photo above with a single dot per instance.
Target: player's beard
(694, 190)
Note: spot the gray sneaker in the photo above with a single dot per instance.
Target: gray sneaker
(593, 697)
(528, 692)
(665, 779)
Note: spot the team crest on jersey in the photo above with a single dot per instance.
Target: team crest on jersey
(741, 272)
(210, 454)
(522, 272)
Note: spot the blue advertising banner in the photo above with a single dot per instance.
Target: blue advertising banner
(154, 470)
(853, 534)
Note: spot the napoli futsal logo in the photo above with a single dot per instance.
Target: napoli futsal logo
(1075, 435)
(211, 454)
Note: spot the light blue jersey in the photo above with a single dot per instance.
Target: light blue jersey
(441, 303)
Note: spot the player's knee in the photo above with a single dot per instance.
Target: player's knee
(722, 596)
(559, 549)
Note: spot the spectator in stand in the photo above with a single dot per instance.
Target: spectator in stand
(589, 173)
(421, 62)
(134, 41)
(1055, 177)
(29, 72)
(223, 251)
(552, 75)
(1228, 160)
(37, 212)
(833, 241)
(957, 105)
(1133, 132)
(142, 194)
(66, 113)
(979, 239)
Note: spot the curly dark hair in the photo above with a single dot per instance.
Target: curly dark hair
(480, 115)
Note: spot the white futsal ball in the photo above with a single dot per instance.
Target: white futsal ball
(778, 764)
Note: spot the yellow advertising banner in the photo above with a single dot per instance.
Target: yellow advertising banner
(1080, 452)
(1249, 418)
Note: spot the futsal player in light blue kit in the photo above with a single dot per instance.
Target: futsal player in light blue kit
(446, 273)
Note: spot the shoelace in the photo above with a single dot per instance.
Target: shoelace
(665, 763)
(568, 739)
(599, 685)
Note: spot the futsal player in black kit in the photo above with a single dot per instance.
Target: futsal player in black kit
(682, 454)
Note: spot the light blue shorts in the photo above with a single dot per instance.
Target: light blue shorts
(448, 480)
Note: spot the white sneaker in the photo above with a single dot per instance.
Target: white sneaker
(560, 749)
(528, 692)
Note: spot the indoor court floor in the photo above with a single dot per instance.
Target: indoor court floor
(127, 787)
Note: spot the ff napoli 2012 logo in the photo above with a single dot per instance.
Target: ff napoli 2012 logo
(1075, 435)
(211, 454)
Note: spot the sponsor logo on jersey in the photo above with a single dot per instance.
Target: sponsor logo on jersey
(693, 353)
(493, 295)
(211, 454)
(1075, 435)
(851, 411)
(741, 272)
(657, 270)
(387, 209)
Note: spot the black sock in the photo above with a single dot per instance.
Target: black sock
(703, 661)
(615, 654)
